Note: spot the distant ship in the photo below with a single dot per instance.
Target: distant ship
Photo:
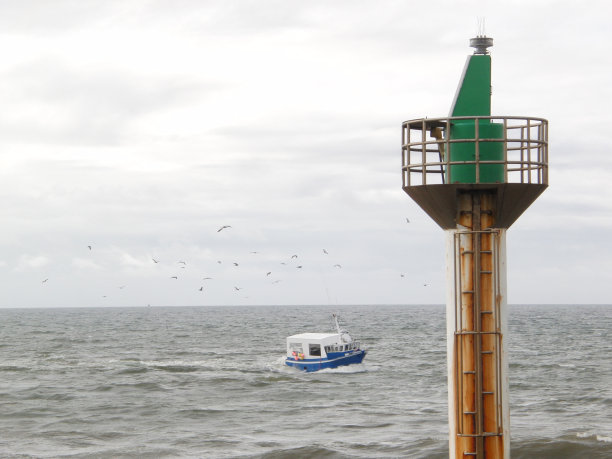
(316, 351)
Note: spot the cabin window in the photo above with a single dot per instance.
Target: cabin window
(315, 349)
(296, 347)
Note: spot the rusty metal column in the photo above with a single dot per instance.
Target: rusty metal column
(478, 409)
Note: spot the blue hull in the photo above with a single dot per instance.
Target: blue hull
(331, 362)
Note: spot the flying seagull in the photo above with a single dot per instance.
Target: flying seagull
(337, 266)
(268, 273)
(201, 289)
(206, 278)
(407, 220)
(174, 277)
(182, 262)
(223, 227)
(235, 264)
(89, 247)
(325, 252)
(299, 266)
(237, 288)
(293, 256)
(45, 280)
(154, 260)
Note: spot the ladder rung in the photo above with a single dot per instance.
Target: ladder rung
(486, 312)
(470, 332)
(486, 272)
(469, 412)
(486, 251)
(467, 252)
(469, 454)
(488, 393)
(469, 372)
(486, 352)
(468, 291)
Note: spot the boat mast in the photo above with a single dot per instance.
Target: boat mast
(335, 317)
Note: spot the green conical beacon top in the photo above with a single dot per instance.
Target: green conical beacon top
(473, 97)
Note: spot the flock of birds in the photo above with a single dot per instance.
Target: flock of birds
(236, 288)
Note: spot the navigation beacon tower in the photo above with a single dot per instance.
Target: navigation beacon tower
(475, 174)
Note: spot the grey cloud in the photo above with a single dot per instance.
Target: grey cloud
(41, 17)
(63, 104)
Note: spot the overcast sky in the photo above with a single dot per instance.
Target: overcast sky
(139, 128)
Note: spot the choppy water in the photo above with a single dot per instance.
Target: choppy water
(210, 382)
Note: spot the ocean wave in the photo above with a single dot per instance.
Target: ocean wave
(591, 435)
(13, 368)
(199, 413)
(300, 452)
(567, 447)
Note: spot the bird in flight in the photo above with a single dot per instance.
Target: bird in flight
(89, 247)
(223, 227)
(182, 262)
(174, 277)
(299, 266)
(206, 278)
(407, 220)
(237, 288)
(268, 273)
(201, 289)
(45, 281)
(235, 264)
(154, 260)
(293, 256)
(337, 266)
(325, 252)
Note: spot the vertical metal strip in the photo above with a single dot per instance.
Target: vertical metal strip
(529, 146)
(505, 150)
(477, 147)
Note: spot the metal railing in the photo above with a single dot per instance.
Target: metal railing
(427, 149)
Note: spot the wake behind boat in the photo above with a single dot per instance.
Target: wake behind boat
(316, 351)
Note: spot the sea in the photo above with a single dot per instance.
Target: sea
(200, 382)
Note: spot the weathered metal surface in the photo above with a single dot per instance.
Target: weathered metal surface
(439, 201)
(477, 375)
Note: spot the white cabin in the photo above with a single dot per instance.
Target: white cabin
(317, 345)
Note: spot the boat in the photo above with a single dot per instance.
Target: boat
(316, 351)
